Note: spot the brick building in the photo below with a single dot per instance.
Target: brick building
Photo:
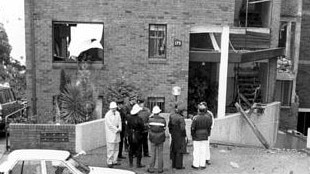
(155, 45)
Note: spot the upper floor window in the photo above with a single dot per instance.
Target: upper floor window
(77, 41)
(253, 13)
(157, 40)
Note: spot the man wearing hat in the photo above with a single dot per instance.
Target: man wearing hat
(135, 128)
(113, 127)
(144, 114)
(200, 131)
(178, 134)
(121, 110)
(157, 138)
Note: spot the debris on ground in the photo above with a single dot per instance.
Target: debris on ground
(234, 165)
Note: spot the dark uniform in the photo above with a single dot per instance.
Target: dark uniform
(135, 127)
(123, 132)
(178, 144)
(145, 114)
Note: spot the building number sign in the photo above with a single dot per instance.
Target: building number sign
(54, 137)
(177, 42)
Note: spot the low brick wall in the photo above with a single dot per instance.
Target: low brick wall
(90, 135)
(42, 136)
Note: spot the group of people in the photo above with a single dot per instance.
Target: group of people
(133, 125)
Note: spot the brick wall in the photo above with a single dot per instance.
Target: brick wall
(126, 41)
(29, 136)
(305, 32)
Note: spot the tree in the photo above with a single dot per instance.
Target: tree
(11, 70)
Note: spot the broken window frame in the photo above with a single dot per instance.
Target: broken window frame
(66, 58)
(255, 7)
(284, 92)
(158, 41)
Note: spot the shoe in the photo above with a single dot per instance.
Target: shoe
(180, 168)
(116, 164)
(140, 166)
(196, 168)
(160, 171)
(121, 157)
(208, 162)
(149, 171)
(110, 165)
(203, 167)
(147, 155)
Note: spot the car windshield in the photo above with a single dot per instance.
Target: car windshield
(78, 165)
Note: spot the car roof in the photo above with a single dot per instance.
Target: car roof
(45, 154)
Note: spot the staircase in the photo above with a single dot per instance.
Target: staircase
(248, 86)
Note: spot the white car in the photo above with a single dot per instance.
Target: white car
(34, 161)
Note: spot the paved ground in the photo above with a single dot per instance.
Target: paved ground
(224, 160)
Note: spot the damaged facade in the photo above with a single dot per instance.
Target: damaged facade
(157, 45)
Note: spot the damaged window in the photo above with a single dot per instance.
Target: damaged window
(157, 40)
(77, 42)
(253, 13)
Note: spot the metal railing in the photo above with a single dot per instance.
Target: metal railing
(21, 111)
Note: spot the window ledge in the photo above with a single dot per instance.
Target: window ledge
(158, 60)
(73, 65)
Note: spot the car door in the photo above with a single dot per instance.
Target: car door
(58, 167)
(27, 167)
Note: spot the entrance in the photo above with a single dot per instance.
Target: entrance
(303, 122)
(202, 85)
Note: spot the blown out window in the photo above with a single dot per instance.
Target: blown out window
(77, 41)
(157, 40)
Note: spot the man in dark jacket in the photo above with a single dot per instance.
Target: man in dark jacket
(135, 128)
(178, 133)
(200, 130)
(144, 114)
(127, 109)
(121, 110)
(157, 138)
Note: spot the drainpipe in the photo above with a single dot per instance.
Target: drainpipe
(33, 57)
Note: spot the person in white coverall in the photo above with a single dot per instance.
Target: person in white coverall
(113, 127)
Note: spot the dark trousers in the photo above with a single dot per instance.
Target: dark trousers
(121, 144)
(135, 149)
(145, 146)
(177, 160)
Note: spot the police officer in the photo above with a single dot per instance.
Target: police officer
(121, 110)
(135, 127)
(144, 114)
(178, 134)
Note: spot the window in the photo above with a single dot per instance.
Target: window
(284, 92)
(6, 96)
(57, 167)
(27, 167)
(157, 40)
(159, 101)
(77, 42)
(253, 13)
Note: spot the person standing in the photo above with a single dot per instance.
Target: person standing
(113, 127)
(121, 110)
(200, 131)
(208, 153)
(135, 127)
(157, 125)
(178, 134)
(127, 108)
(144, 114)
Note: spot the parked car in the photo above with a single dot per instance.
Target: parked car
(8, 105)
(40, 161)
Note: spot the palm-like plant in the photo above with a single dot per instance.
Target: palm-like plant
(72, 105)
